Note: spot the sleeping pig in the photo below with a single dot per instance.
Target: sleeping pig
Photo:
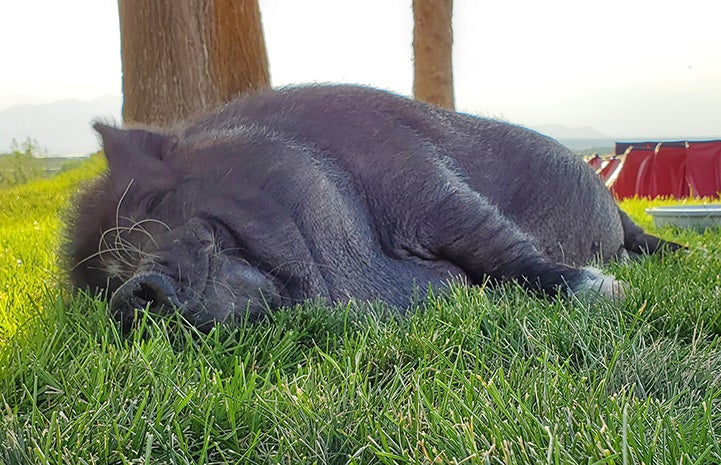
(339, 193)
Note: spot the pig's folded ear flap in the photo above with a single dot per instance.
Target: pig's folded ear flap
(134, 153)
(124, 146)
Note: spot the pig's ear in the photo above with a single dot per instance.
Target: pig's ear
(125, 146)
(134, 153)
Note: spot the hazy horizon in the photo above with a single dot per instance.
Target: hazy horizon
(550, 127)
(63, 128)
(626, 69)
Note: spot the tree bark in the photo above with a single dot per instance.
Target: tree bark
(182, 57)
(432, 50)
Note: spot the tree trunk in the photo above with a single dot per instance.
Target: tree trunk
(432, 50)
(182, 57)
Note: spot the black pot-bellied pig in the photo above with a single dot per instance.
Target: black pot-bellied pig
(339, 193)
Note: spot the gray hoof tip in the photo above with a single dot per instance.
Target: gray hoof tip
(594, 282)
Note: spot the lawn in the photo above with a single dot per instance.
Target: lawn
(477, 375)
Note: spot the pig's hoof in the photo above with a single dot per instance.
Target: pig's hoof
(594, 282)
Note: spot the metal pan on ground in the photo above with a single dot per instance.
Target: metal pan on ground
(699, 217)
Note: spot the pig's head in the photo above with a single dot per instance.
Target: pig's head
(147, 234)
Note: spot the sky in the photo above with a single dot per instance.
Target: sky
(623, 67)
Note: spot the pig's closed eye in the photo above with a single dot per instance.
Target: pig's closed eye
(150, 201)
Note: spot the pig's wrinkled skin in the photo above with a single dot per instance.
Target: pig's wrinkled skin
(339, 193)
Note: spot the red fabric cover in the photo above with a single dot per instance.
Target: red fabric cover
(596, 162)
(703, 166)
(668, 173)
(609, 168)
(676, 170)
(635, 175)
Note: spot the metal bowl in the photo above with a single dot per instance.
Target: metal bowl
(698, 217)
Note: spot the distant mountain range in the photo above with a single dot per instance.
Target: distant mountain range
(64, 127)
(579, 139)
(560, 132)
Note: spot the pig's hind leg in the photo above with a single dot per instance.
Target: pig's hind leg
(468, 231)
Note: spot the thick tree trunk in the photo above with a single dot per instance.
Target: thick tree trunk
(432, 50)
(182, 57)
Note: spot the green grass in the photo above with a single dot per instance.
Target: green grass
(30, 222)
(476, 375)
